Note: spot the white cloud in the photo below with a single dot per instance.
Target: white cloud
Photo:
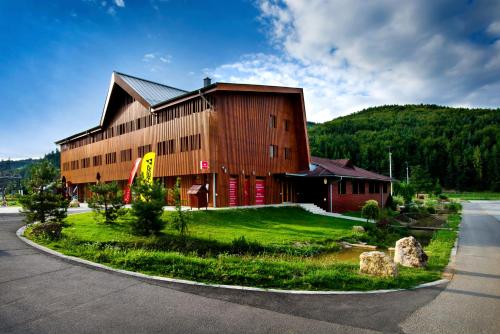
(148, 57)
(348, 55)
(494, 28)
(120, 3)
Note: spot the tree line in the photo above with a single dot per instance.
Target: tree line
(457, 148)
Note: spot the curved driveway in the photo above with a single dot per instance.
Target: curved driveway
(40, 293)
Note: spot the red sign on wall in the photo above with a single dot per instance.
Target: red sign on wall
(203, 164)
(260, 192)
(233, 191)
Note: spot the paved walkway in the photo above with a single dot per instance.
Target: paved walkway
(471, 302)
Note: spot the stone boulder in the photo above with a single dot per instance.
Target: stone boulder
(357, 228)
(409, 253)
(74, 203)
(377, 264)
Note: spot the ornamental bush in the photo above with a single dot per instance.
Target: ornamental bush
(370, 210)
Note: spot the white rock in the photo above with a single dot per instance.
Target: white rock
(357, 228)
(377, 264)
(409, 253)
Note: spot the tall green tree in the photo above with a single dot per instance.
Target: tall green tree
(43, 202)
(147, 207)
(106, 201)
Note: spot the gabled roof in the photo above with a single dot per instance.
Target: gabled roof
(152, 92)
(341, 167)
(148, 93)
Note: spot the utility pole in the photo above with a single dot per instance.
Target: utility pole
(407, 175)
(390, 166)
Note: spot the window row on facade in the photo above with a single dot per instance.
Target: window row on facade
(166, 147)
(358, 187)
(273, 123)
(274, 152)
(180, 110)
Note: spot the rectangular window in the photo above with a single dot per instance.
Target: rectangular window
(110, 158)
(374, 187)
(97, 160)
(126, 155)
(85, 162)
(195, 142)
(288, 153)
(65, 166)
(342, 187)
(287, 125)
(75, 164)
(184, 144)
(358, 187)
(272, 121)
(142, 150)
(273, 151)
(384, 187)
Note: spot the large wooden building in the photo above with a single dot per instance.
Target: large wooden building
(239, 139)
(247, 143)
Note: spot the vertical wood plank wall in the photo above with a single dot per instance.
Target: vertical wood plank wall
(235, 134)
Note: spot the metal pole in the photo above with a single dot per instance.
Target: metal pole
(407, 175)
(390, 167)
(214, 194)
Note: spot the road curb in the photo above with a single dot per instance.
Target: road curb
(157, 279)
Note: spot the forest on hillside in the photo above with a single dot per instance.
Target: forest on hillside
(10, 167)
(456, 146)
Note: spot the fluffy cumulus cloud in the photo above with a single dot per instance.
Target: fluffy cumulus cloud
(348, 55)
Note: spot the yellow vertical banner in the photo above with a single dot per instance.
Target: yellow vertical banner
(148, 166)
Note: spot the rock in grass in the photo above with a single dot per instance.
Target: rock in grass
(357, 228)
(409, 253)
(377, 264)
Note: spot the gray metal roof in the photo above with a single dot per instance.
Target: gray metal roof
(152, 92)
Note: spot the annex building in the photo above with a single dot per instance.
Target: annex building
(246, 143)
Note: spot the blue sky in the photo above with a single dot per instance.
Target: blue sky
(56, 57)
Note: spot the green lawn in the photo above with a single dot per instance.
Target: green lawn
(353, 214)
(268, 226)
(284, 241)
(482, 195)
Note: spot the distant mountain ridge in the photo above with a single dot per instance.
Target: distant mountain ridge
(457, 146)
(20, 167)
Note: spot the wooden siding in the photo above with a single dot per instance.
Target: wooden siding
(235, 133)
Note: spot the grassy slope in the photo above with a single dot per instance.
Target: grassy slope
(268, 226)
(274, 226)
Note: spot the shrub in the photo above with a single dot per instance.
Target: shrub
(398, 200)
(43, 203)
(437, 188)
(453, 207)
(180, 221)
(50, 230)
(241, 246)
(430, 209)
(370, 210)
(443, 196)
(390, 203)
(405, 190)
(147, 207)
(106, 201)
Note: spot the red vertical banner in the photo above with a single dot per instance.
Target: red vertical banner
(246, 192)
(126, 193)
(260, 192)
(233, 191)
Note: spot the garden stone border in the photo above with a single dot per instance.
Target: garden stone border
(93, 265)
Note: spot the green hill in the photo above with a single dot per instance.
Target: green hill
(457, 146)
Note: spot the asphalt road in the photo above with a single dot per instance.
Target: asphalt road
(40, 293)
(471, 302)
